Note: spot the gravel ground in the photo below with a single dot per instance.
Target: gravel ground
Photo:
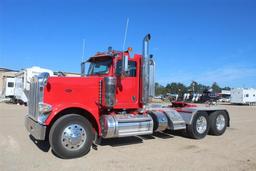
(235, 150)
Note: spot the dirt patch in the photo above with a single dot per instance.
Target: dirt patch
(235, 150)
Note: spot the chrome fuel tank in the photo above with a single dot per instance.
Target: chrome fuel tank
(124, 125)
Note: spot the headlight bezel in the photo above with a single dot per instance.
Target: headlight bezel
(44, 110)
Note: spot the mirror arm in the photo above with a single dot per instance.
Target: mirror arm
(83, 69)
(124, 65)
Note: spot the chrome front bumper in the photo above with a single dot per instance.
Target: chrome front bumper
(37, 130)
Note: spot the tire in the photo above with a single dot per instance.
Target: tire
(20, 102)
(218, 129)
(64, 129)
(192, 130)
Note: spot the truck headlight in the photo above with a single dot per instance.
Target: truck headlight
(44, 110)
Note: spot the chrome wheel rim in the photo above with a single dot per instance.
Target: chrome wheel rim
(73, 137)
(201, 124)
(220, 122)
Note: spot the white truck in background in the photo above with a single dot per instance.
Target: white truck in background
(22, 82)
(8, 88)
(243, 96)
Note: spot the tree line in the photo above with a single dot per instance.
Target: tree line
(180, 89)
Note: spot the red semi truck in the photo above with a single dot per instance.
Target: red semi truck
(111, 100)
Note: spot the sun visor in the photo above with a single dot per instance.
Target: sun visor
(99, 58)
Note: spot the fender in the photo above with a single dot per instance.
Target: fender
(189, 113)
(60, 107)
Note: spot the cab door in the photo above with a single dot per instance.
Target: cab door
(127, 92)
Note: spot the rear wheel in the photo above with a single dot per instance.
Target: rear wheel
(199, 127)
(71, 136)
(218, 122)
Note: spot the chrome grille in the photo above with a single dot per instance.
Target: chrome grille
(33, 98)
(36, 92)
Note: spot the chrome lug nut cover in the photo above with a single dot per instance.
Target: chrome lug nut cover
(220, 122)
(73, 137)
(201, 124)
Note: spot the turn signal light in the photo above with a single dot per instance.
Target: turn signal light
(129, 49)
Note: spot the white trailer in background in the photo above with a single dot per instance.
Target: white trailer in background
(8, 88)
(22, 82)
(243, 96)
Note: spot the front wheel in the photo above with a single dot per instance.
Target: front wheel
(71, 136)
(218, 122)
(199, 127)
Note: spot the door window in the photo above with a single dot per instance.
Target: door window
(132, 68)
(10, 84)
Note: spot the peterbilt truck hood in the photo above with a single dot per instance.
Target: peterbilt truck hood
(72, 90)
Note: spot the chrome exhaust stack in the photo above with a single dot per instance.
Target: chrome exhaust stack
(146, 40)
(148, 72)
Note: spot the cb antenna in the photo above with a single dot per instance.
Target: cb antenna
(125, 33)
(83, 50)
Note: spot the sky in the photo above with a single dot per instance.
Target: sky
(202, 40)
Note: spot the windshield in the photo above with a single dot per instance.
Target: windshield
(99, 67)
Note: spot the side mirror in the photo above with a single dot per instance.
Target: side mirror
(125, 68)
(83, 69)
